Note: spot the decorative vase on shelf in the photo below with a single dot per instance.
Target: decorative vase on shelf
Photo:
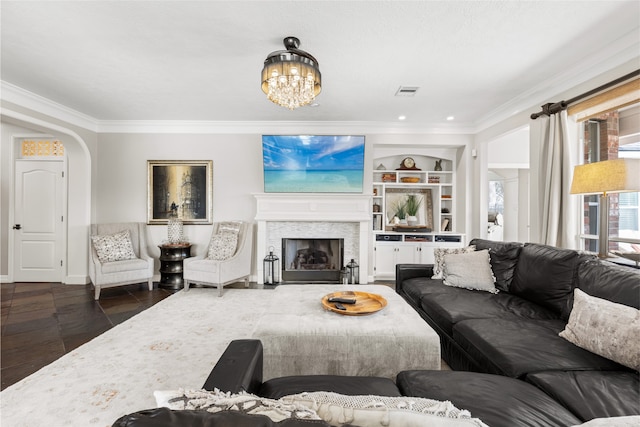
(412, 220)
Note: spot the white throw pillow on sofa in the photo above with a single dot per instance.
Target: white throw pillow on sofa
(605, 328)
(439, 253)
(470, 271)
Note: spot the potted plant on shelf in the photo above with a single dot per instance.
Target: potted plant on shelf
(401, 212)
(412, 205)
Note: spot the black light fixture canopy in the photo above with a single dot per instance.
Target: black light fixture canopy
(291, 77)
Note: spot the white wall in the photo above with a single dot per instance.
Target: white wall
(511, 151)
(121, 191)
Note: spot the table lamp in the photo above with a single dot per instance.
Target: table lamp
(604, 178)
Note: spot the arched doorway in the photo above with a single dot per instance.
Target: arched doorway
(79, 165)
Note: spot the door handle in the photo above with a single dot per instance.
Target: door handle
(17, 227)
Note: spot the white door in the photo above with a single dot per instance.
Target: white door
(40, 194)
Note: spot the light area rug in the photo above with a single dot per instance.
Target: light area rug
(173, 344)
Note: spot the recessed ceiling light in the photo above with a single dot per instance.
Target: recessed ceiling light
(402, 117)
(450, 118)
(315, 104)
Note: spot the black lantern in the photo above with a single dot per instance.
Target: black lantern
(271, 268)
(353, 272)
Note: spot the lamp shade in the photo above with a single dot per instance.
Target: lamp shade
(608, 176)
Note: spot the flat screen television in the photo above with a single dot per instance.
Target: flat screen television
(313, 163)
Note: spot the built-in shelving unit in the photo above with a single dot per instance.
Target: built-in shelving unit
(396, 243)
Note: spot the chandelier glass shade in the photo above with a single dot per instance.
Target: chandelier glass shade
(291, 78)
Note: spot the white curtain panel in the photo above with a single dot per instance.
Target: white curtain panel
(558, 214)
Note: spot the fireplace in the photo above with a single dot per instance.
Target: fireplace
(308, 216)
(312, 260)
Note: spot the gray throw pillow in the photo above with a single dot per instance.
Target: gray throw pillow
(605, 328)
(439, 254)
(470, 271)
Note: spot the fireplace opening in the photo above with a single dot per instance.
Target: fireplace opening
(312, 260)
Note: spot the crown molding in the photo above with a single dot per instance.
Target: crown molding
(262, 127)
(40, 104)
(623, 50)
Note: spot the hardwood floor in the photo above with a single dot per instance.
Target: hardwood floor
(41, 322)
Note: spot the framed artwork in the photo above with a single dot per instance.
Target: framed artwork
(180, 188)
(399, 195)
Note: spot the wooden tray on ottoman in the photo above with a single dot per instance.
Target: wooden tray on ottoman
(366, 303)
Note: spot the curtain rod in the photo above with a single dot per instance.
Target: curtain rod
(555, 107)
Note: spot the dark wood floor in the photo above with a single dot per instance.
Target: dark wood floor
(41, 322)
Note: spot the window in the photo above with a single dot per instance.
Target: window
(42, 148)
(611, 135)
(496, 197)
(629, 215)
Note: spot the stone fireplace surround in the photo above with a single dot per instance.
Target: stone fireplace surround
(293, 215)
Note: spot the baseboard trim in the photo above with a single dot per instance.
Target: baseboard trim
(77, 280)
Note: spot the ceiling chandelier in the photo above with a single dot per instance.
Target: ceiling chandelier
(291, 78)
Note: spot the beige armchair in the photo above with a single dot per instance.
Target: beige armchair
(123, 263)
(201, 270)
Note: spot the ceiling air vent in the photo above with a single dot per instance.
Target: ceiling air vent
(407, 90)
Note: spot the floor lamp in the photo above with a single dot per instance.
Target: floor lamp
(603, 178)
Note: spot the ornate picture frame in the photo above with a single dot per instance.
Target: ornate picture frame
(424, 214)
(180, 188)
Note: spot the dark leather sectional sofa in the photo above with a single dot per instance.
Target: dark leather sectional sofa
(497, 400)
(514, 333)
(511, 367)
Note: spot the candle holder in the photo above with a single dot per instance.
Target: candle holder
(353, 272)
(271, 267)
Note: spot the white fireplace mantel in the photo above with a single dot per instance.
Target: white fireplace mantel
(313, 208)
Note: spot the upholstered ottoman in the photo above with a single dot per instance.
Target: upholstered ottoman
(301, 337)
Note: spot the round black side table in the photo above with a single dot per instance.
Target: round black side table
(171, 257)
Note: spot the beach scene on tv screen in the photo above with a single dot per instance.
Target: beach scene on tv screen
(313, 163)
